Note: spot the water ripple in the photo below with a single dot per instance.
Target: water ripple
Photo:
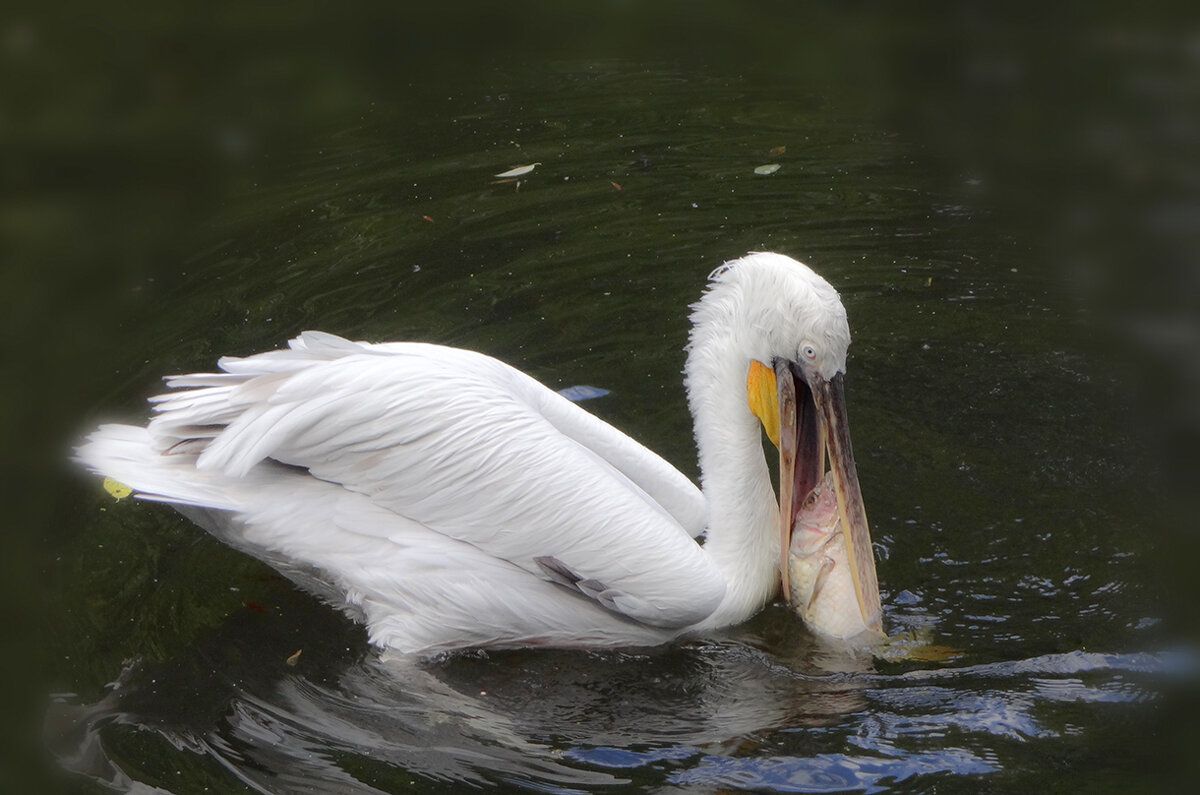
(827, 772)
(703, 715)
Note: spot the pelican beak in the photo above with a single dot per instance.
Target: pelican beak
(812, 422)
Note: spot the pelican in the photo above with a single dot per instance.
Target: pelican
(447, 500)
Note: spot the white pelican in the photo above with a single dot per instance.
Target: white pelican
(448, 500)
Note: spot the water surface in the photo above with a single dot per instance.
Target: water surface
(1015, 512)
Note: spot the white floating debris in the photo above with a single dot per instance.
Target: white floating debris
(769, 168)
(518, 171)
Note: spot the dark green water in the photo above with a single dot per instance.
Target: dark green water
(1008, 212)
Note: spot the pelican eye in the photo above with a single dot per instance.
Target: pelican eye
(808, 352)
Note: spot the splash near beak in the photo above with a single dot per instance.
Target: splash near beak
(805, 416)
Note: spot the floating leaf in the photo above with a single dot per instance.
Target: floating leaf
(582, 392)
(518, 171)
(934, 653)
(770, 168)
(294, 658)
(117, 489)
(916, 645)
(776, 151)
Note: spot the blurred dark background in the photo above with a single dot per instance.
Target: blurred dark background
(126, 129)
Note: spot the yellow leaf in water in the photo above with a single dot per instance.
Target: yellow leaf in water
(518, 171)
(294, 658)
(776, 151)
(917, 645)
(934, 653)
(117, 489)
(770, 168)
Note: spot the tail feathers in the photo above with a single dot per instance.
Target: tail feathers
(127, 454)
(302, 351)
(202, 405)
(185, 455)
(204, 411)
(326, 345)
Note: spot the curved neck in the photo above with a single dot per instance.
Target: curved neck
(743, 535)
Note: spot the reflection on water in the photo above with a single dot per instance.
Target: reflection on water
(716, 714)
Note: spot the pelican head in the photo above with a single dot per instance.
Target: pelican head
(781, 330)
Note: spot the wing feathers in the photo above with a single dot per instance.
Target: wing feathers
(453, 442)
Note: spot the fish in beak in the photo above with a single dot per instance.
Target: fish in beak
(807, 421)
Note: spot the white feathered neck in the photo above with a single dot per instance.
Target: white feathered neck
(759, 307)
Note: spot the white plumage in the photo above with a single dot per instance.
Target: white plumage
(449, 500)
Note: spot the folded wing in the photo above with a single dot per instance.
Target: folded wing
(458, 458)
